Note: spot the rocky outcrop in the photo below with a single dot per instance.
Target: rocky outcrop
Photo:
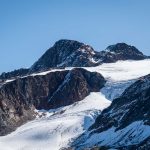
(65, 53)
(19, 98)
(121, 51)
(13, 74)
(132, 106)
(126, 123)
(77, 84)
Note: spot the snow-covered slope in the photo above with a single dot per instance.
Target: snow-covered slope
(123, 70)
(54, 129)
(121, 75)
(133, 134)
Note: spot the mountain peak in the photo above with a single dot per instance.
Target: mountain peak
(65, 41)
(65, 53)
(66, 44)
(123, 48)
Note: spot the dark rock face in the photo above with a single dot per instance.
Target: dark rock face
(126, 50)
(135, 99)
(132, 106)
(19, 98)
(65, 53)
(13, 74)
(121, 51)
(77, 84)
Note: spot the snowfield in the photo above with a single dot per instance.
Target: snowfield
(55, 129)
(121, 75)
(123, 70)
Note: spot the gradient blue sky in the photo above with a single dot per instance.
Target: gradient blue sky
(29, 27)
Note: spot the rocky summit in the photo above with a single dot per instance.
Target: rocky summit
(66, 53)
(121, 51)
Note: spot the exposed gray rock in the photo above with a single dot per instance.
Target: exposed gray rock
(65, 53)
(121, 51)
(13, 74)
(132, 106)
(19, 98)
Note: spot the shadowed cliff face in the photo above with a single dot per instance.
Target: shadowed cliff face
(19, 98)
(77, 84)
(120, 51)
(125, 109)
(65, 53)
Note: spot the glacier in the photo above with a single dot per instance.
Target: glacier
(56, 129)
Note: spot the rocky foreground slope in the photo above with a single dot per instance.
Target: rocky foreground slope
(125, 124)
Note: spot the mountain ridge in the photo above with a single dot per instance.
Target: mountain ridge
(71, 53)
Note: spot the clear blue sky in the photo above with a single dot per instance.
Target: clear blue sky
(29, 27)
